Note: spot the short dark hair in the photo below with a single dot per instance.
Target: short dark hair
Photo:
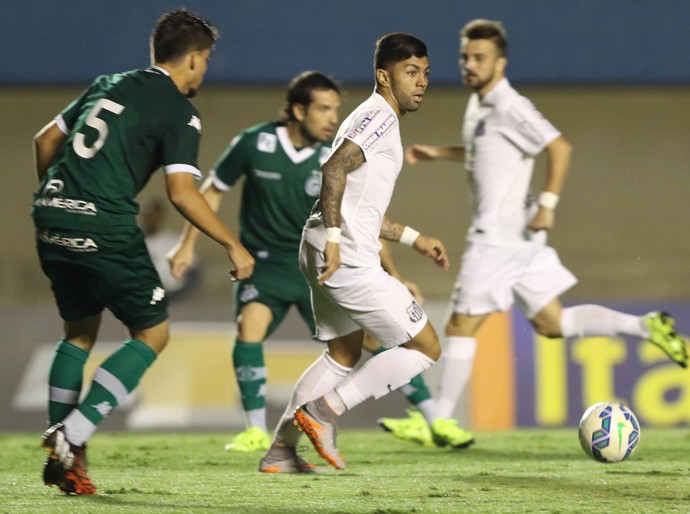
(300, 90)
(487, 29)
(396, 47)
(179, 32)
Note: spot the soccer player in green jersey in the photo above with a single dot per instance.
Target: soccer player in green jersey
(280, 163)
(91, 161)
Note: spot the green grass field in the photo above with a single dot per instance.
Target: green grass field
(518, 471)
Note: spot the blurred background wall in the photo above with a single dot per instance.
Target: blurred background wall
(613, 75)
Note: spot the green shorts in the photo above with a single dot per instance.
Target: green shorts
(89, 272)
(277, 284)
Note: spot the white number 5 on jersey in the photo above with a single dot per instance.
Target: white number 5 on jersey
(93, 121)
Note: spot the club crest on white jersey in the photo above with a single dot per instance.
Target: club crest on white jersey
(415, 312)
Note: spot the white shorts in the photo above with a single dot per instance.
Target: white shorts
(360, 298)
(493, 277)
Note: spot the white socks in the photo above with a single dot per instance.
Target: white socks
(322, 376)
(595, 320)
(78, 428)
(380, 375)
(456, 369)
(429, 410)
(255, 418)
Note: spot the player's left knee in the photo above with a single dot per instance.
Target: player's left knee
(431, 347)
(552, 331)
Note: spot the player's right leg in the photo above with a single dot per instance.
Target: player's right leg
(315, 416)
(253, 321)
(596, 320)
(122, 279)
(322, 376)
(413, 428)
(66, 465)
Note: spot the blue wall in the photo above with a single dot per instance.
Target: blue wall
(269, 41)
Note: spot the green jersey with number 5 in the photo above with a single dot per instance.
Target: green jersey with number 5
(281, 184)
(119, 132)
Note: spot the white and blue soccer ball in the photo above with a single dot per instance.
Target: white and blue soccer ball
(609, 432)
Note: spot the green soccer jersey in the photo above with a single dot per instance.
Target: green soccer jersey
(281, 185)
(119, 132)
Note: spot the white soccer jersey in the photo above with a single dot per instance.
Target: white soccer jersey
(502, 134)
(374, 127)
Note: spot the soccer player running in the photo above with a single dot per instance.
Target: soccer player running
(91, 161)
(280, 162)
(339, 258)
(506, 258)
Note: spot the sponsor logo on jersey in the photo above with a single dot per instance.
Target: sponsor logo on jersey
(266, 142)
(196, 123)
(157, 295)
(363, 124)
(67, 204)
(77, 244)
(269, 175)
(312, 186)
(415, 312)
(53, 186)
(379, 132)
(249, 293)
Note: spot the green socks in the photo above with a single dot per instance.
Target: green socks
(250, 370)
(65, 380)
(116, 378)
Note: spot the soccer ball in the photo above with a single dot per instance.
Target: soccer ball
(609, 432)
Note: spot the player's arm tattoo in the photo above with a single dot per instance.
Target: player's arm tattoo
(348, 157)
(391, 230)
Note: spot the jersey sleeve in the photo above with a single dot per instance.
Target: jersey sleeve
(70, 114)
(527, 128)
(181, 144)
(369, 131)
(232, 163)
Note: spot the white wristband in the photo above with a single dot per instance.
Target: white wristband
(548, 200)
(333, 234)
(409, 236)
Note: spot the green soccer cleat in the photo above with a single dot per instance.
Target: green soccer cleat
(662, 334)
(251, 440)
(413, 429)
(446, 432)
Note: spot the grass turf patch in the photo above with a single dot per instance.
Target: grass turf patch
(516, 471)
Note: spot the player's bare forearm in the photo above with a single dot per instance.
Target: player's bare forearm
(391, 230)
(213, 197)
(348, 157)
(46, 144)
(558, 151)
(181, 256)
(416, 153)
(433, 248)
(192, 205)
